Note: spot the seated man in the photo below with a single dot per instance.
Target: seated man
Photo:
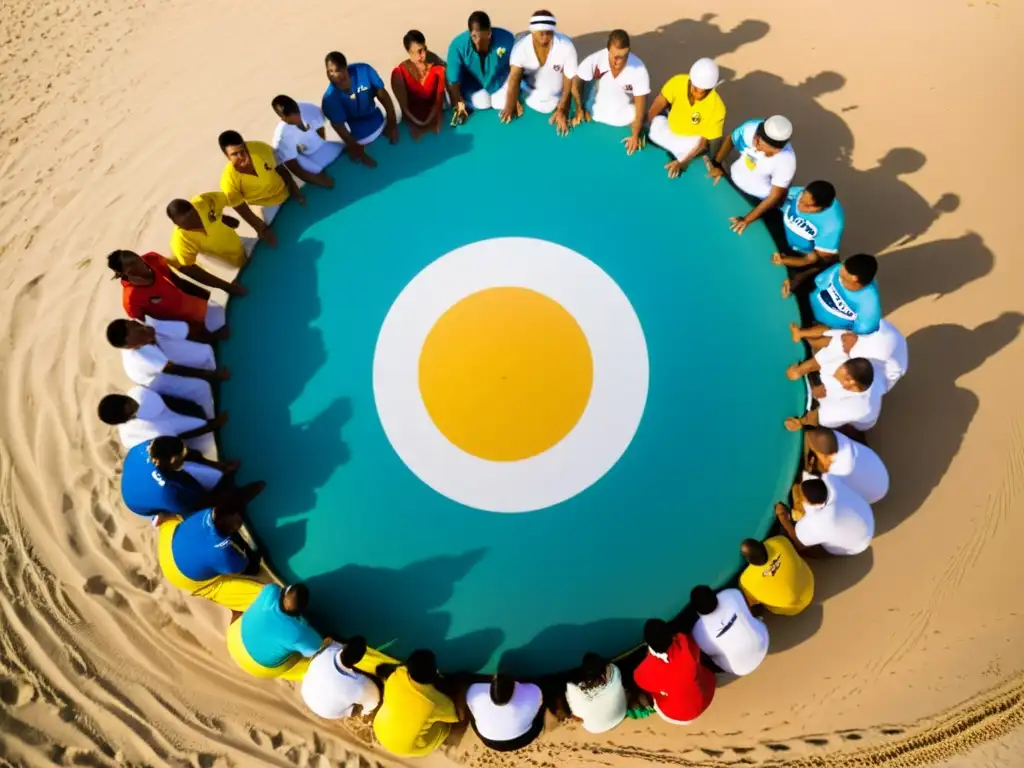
(415, 718)
(149, 288)
(833, 453)
(845, 297)
(696, 115)
(506, 715)
(765, 168)
(300, 141)
(727, 631)
(813, 220)
(205, 556)
(828, 513)
(420, 84)
(350, 104)
(200, 226)
(143, 414)
(849, 394)
(596, 696)
(776, 576)
(478, 66)
(617, 91)
(543, 65)
(886, 346)
(334, 688)
(671, 673)
(271, 639)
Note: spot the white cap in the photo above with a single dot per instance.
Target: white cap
(778, 128)
(704, 74)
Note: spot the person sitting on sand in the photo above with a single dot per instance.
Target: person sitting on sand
(776, 576)
(543, 65)
(727, 631)
(143, 414)
(596, 695)
(415, 718)
(200, 227)
(419, 84)
(334, 688)
(813, 221)
(300, 141)
(350, 104)
(834, 454)
(765, 168)
(696, 115)
(506, 715)
(254, 176)
(845, 297)
(886, 346)
(850, 394)
(149, 288)
(829, 513)
(205, 556)
(271, 639)
(479, 66)
(613, 85)
(671, 673)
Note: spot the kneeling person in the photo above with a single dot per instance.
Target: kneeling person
(478, 66)
(696, 115)
(200, 227)
(415, 718)
(813, 220)
(271, 639)
(333, 687)
(350, 104)
(506, 715)
(617, 91)
(300, 141)
(543, 66)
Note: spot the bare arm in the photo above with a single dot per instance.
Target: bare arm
(389, 109)
(298, 171)
(402, 97)
(189, 287)
(724, 150)
(567, 93)
(289, 181)
(221, 374)
(640, 104)
(659, 105)
(774, 199)
(211, 426)
(249, 217)
(200, 275)
(515, 78)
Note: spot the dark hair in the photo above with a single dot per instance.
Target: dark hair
(117, 332)
(542, 12)
(823, 192)
(163, 448)
(703, 599)
(593, 672)
(178, 207)
(299, 594)
(111, 410)
(353, 651)
(337, 58)
(115, 260)
(284, 105)
(618, 38)
(422, 666)
(413, 36)
(815, 490)
(480, 20)
(863, 266)
(861, 370)
(768, 139)
(230, 139)
(502, 689)
(822, 439)
(658, 635)
(224, 512)
(754, 552)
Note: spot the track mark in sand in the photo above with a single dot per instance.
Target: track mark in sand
(103, 517)
(97, 585)
(778, 747)
(16, 693)
(815, 741)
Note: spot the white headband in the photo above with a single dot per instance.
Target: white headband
(542, 24)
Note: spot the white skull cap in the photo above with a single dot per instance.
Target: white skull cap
(704, 74)
(778, 128)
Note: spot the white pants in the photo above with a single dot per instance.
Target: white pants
(205, 475)
(666, 138)
(538, 101)
(215, 313)
(615, 112)
(483, 100)
(185, 387)
(326, 154)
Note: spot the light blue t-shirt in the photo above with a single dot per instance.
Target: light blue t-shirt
(270, 635)
(358, 105)
(806, 232)
(835, 306)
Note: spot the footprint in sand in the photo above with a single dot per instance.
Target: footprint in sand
(16, 692)
(97, 585)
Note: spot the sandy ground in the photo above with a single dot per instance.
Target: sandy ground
(912, 652)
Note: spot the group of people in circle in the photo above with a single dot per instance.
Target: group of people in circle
(167, 421)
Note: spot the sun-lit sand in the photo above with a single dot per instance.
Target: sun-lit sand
(912, 652)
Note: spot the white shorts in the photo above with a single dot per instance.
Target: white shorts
(666, 138)
(618, 114)
(207, 476)
(215, 314)
(325, 154)
(538, 101)
(197, 391)
(268, 212)
(483, 100)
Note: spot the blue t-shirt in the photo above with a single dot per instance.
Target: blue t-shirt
(201, 553)
(357, 106)
(835, 306)
(149, 491)
(473, 72)
(270, 635)
(806, 232)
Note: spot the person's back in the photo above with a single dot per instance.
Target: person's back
(776, 576)
(860, 468)
(681, 687)
(272, 636)
(201, 552)
(888, 346)
(506, 715)
(598, 698)
(415, 718)
(333, 688)
(843, 524)
(148, 490)
(727, 631)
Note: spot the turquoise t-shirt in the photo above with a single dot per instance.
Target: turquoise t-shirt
(270, 635)
(473, 72)
(806, 232)
(835, 306)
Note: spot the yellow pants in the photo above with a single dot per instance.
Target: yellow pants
(233, 592)
(293, 668)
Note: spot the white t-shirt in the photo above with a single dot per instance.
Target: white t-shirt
(153, 419)
(600, 709)
(860, 468)
(886, 345)
(547, 79)
(290, 141)
(143, 365)
(756, 173)
(509, 721)
(731, 636)
(614, 94)
(840, 406)
(331, 690)
(843, 525)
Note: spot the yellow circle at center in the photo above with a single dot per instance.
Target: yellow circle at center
(506, 373)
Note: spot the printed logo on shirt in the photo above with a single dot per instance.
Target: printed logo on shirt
(557, 67)
(800, 225)
(155, 474)
(834, 303)
(362, 89)
(301, 148)
(501, 52)
(212, 216)
(750, 161)
(628, 88)
(773, 567)
(695, 118)
(266, 167)
(727, 626)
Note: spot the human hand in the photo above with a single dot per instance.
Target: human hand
(793, 372)
(222, 374)
(460, 114)
(508, 115)
(849, 339)
(777, 259)
(391, 131)
(581, 116)
(633, 144)
(560, 121)
(675, 168)
(787, 288)
(793, 424)
(268, 236)
(738, 224)
(358, 154)
(714, 172)
(797, 334)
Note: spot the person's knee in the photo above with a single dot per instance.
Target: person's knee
(481, 99)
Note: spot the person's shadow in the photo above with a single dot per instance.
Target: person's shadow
(559, 646)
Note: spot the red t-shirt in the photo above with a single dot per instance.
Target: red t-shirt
(683, 687)
(162, 300)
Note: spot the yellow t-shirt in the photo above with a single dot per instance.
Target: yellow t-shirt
(785, 584)
(705, 118)
(217, 238)
(265, 188)
(414, 719)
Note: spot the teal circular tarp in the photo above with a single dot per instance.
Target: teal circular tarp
(392, 489)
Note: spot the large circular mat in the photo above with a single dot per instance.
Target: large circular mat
(513, 394)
